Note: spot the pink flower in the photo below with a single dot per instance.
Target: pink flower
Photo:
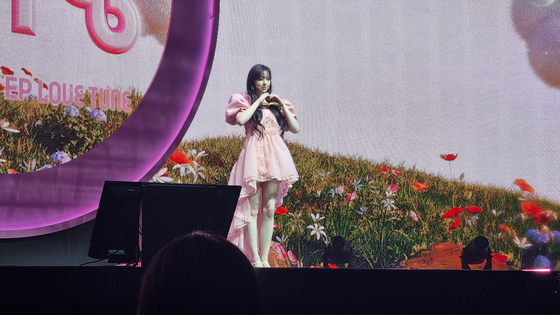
(280, 251)
(414, 215)
(292, 257)
(351, 196)
(391, 190)
(340, 189)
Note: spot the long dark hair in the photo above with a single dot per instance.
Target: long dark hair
(255, 73)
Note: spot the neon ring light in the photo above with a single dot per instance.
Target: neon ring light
(67, 195)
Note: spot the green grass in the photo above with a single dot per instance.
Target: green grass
(383, 236)
(45, 128)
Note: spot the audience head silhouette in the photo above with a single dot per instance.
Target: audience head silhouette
(199, 273)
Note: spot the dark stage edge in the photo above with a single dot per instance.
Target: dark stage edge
(114, 290)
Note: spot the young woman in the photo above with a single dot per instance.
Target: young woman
(265, 168)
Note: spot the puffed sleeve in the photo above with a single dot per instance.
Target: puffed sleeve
(290, 107)
(237, 103)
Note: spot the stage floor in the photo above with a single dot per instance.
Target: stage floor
(114, 290)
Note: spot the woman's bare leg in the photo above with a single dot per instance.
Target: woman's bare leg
(269, 195)
(252, 232)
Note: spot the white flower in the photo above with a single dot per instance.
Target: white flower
(318, 193)
(181, 167)
(522, 243)
(388, 203)
(282, 239)
(317, 230)
(325, 174)
(357, 185)
(159, 178)
(29, 166)
(194, 155)
(296, 222)
(196, 170)
(2, 160)
(4, 125)
(362, 210)
(316, 217)
(497, 213)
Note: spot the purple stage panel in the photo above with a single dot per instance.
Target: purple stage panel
(64, 196)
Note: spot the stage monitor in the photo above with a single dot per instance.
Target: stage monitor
(135, 219)
(115, 232)
(170, 210)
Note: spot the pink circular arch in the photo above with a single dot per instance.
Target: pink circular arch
(67, 195)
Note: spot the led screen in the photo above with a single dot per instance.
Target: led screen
(408, 109)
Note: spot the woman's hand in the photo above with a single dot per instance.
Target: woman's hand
(244, 116)
(293, 125)
(263, 99)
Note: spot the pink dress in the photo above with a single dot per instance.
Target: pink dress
(261, 159)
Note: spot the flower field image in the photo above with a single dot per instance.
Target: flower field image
(389, 215)
(36, 135)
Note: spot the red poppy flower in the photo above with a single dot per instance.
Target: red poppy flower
(45, 86)
(333, 266)
(448, 157)
(530, 208)
(543, 217)
(500, 257)
(281, 211)
(420, 186)
(384, 170)
(6, 71)
(452, 213)
(26, 72)
(12, 171)
(275, 226)
(474, 210)
(455, 224)
(505, 228)
(181, 158)
(36, 80)
(2, 88)
(396, 172)
(524, 186)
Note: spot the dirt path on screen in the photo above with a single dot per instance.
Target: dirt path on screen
(445, 256)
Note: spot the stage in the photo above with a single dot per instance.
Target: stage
(114, 290)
